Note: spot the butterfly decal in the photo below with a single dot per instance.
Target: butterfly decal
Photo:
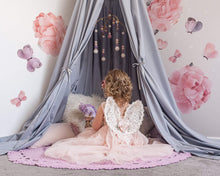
(177, 54)
(32, 62)
(210, 52)
(161, 44)
(148, 2)
(17, 101)
(192, 25)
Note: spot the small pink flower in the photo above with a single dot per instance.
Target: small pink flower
(161, 44)
(191, 88)
(210, 52)
(164, 13)
(50, 30)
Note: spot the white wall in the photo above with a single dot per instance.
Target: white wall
(16, 31)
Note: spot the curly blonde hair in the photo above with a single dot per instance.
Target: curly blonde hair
(118, 85)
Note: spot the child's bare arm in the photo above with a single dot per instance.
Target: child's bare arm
(98, 120)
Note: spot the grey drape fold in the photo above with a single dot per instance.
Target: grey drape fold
(156, 88)
(150, 72)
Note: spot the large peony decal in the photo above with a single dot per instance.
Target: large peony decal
(191, 88)
(164, 13)
(50, 30)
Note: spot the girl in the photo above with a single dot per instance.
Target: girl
(114, 135)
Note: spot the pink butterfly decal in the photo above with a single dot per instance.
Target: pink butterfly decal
(161, 44)
(17, 101)
(192, 25)
(177, 54)
(32, 62)
(210, 51)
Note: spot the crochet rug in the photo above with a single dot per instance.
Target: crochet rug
(36, 157)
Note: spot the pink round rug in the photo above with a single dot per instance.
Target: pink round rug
(36, 157)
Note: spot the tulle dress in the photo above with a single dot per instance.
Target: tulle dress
(118, 140)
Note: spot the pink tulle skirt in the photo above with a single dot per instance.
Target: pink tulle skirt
(100, 146)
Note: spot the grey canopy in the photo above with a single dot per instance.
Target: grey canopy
(70, 75)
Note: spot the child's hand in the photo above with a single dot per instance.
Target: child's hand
(89, 118)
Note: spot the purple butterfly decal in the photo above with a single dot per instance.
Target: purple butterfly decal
(192, 25)
(32, 62)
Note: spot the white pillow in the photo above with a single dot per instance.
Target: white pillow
(55, 132)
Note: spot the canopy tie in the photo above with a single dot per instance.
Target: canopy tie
(68, 71)
(137, 65)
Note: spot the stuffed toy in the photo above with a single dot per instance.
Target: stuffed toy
(32, 62)
(89, 112)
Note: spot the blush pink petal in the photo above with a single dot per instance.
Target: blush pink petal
(190, 87)
(164, 13)
(50, 30)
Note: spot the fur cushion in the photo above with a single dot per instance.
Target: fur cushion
(73, 115)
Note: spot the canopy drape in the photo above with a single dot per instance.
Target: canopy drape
(150, 73)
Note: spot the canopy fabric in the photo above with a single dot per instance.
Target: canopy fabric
(150, 73)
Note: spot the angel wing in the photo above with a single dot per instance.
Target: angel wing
(129, 123)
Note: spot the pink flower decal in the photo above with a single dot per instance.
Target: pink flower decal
(191, 88)
(50, 30)
(192, 25)
(17, 101)
(164, 13)
(177, 54)
(32, 62)
(210, 52)
(161, 44)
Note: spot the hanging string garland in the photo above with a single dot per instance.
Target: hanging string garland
(117, 40)
(96, 41)
(108, 23)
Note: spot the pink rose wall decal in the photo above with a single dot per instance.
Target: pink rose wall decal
(50, 30)
(162, 44)
(21, 97)
(32, 62)
(210, 52)
(191, 88)
(177, 54)
(164, 13)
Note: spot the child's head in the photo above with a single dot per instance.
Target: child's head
(118, 85)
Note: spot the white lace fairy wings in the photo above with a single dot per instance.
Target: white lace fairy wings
(124, 126)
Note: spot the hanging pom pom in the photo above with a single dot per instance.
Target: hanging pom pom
(103, 58)
(96, 51)
(123, 55)
(117, 48)
(109, 35)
